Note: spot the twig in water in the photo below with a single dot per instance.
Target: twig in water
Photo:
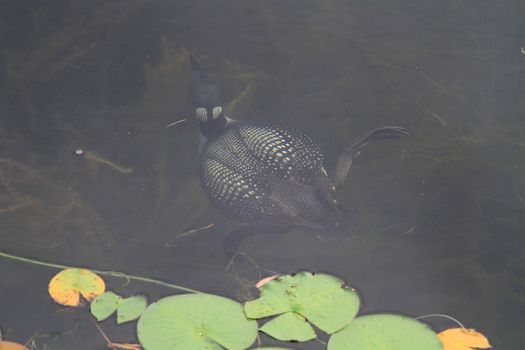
(389, 227)
(431, 165)
(175, 123)
(238, 253)
(92, 157)
(189, 232)
(70, 331)
(410, 230)
(403, 152)
(255, 265)
(31, 343)
(17, 206)
(320, 341)
(522, 144)
(436, 116)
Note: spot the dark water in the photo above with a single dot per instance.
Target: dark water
(441, 213)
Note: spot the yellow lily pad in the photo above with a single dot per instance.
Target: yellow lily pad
(8, 345)
(66, 286)
(463, 339)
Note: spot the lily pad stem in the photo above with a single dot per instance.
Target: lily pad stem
(102, 273)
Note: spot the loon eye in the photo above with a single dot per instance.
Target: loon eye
(216, 111)
(201, 114)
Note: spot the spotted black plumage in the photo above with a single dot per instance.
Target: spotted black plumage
(256, 171)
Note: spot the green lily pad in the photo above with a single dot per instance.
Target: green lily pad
(289, 327)
(131, 308)
(385, 332)
(104, 305)
(195, 321)
(321, 299)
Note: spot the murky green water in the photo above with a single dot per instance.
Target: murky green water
(441, 213)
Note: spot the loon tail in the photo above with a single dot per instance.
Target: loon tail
(354, 150)
(379, 134)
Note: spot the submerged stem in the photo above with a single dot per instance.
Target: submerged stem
(444, 316)
(103, 273)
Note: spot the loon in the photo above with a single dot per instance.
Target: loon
(266, 174)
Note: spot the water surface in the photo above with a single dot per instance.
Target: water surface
(441, 213)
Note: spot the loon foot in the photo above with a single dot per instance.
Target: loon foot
(232, 241)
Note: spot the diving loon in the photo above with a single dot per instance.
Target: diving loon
(264, 173)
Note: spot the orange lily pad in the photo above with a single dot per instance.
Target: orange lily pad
(463, 339)
(8, 345)
(66, 286)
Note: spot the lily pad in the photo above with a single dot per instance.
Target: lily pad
(289, 327)
(321, 299)
(385, 332)
(104, 305)
(131, 308)
(463, 339)
(67, 286)
(128, 309)
(9, 345)
(195, 321)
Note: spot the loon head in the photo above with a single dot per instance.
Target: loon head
(211, 120)
(205, 97)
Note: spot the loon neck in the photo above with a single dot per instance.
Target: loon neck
(213, 127)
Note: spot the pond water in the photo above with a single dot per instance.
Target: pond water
(441, 212)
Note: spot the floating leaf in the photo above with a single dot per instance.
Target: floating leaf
(319, 298)
(385, 332)
(195, 321)
(8, 345)
(289, 327)
(104, 305)
(131, 308)
(67, 286)
(463, 339)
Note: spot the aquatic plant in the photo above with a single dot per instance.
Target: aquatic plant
(198, 320)
(321, 299)
(384, 331)
(195, 321)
